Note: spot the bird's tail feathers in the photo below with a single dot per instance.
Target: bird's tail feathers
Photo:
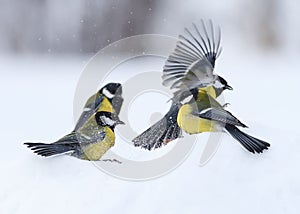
(162, 132)
(250, 143)
(46, 150)
(157, 135)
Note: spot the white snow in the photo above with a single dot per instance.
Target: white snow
(37, 105)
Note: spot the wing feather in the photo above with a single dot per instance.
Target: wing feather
(220, 115)
(193, 60)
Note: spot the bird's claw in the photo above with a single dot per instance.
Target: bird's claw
(225, 105)
(111, 160)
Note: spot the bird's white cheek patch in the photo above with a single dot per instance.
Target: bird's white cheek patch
(218, 84)
(107, 93)
(107, 120)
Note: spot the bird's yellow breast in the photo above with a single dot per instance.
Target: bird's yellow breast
(191, 123)
(95, 151)
(105, 105)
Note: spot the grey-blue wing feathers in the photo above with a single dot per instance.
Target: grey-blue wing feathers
(219, 115)
(193, 60)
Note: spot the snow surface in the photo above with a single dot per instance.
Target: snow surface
(37, 100)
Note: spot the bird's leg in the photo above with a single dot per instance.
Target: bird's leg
(111, 160)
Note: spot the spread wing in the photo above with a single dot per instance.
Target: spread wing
(192, 62)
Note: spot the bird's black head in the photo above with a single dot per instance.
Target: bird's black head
(104, 118)
(194, 92)
(111, 90)
(220, 85)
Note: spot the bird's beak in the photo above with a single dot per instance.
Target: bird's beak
(120, 122)
(228, 87)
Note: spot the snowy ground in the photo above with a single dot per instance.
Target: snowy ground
(37, 100)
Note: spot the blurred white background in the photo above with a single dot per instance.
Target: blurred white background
(44, 46)
(80, 27)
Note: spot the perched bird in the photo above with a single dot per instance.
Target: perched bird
(189, 67)
(204, 114)
(89, 131)
(89, 142)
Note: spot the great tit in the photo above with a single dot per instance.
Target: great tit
(108, 98)
(89, 142)
(204, 114)
(189, 67)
